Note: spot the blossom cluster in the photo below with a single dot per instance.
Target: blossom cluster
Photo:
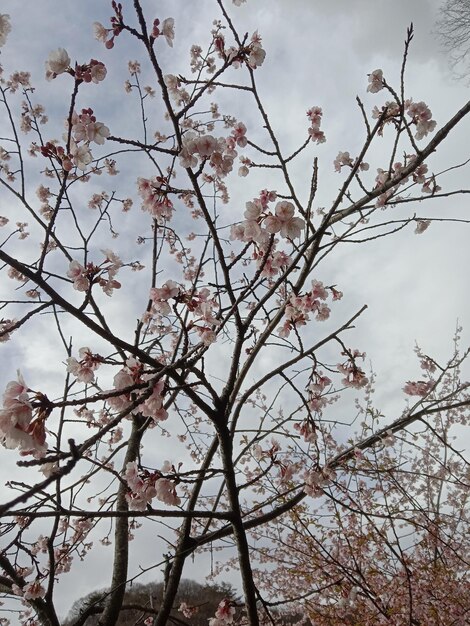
(287, 470)
(84, 368)
(79, 156)
(86, 128)
(5, 28)
(165, 29)
(419, 388)
(252, 54)
(269, 453)
(30, 591)
(419, 112)
(176, 91)
(104, 275)
(298, 307)
(187, 610)
(19, 427)
(255, 51)
(59, 62)
(155, 200)
(376, 81)
(73, 543)
(224, 614)
(315, 115)
(107, 35)
(270, 262)
(317, 399)
(353, 375)
(7, 326)
(307, 430)
(30, 114)
(421, 117)
(129, 377)
(316, 479)
(260, 223)
(199, 304)
(145, 486)
(219, 152)
(419, 176)
(345, 159)
(17, 80)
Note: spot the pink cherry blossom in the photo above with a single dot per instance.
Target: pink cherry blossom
(389, 438)
(375, 81)
(81, 155)
(256, 53)
(239, 132)
(342, 159)
(253, 210)
(98, 71)
(19, 428)
(353, 375)
(421, 116)
(421, 226)
(92, 72)
(284, 221)
(79, 275)
(7, 326)
(315, 116)
(187, 610)
(84, 368)
(155, 198)
(318, 290)
(205, 145)
(307, 431)
(101, 33)
(57, 63)
(428, 365)
(207, 335)
(224, 614)
(153, 405)
(5, 28)
(266, 196)
(166, 492)
(86, 128)
(419, 388)
(112, 261)
(145, 486)
(316, 479)
(237, 231)
(168, 30)
(75, 269)
(168, 290)
(187, 159)
(33, 590)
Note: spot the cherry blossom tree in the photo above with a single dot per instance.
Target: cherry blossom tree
(208, 393)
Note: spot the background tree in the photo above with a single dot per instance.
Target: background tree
(453, 28)
(204, 397)
(196, 603)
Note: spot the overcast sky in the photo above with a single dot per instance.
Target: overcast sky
(318, 52)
